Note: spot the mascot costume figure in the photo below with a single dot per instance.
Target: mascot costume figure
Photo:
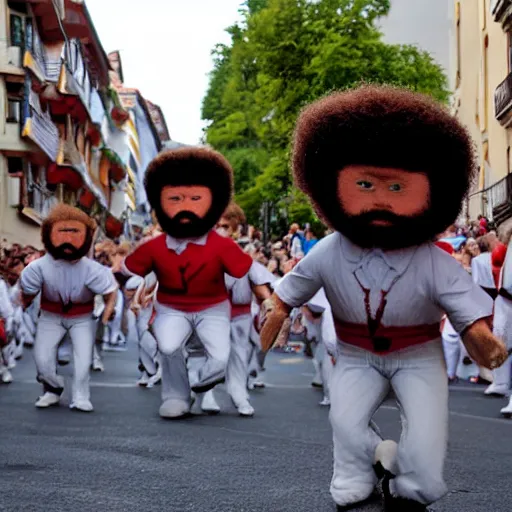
(68, 282)
(189, 189)
(387, 169)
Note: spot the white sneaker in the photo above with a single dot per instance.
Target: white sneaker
(496, 389)
(325, 401)
(6, 376)
(209, 405)
(507, 411)
(144, 380)
(174, 409)
(81, 405)
(258, 384)
(153, 381)
(97, 366)
(48, 400)
(246, 409)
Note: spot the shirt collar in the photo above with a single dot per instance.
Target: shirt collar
(179, 245)
(398, 260)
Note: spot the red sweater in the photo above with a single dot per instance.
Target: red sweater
(193, 280)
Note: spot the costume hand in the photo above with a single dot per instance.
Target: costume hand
(273, 314)
(284, 334)
(483, 347)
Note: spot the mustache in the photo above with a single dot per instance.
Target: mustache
(382, 215)
(185, 214)
(66, 245)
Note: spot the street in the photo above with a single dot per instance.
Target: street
(124, 458)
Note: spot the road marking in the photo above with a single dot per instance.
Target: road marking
(291, 360)
(282, 386)
(459, 414)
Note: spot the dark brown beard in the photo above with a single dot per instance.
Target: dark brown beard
(402, 231)
(195, 228)
(58, 252)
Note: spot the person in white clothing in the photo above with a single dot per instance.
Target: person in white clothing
(320, 332)
(68, 282)
(6, 328)
(142, 305)
(502, 385)
(364, 157)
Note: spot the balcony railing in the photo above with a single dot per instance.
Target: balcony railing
(37, 123)
(496, 200)
(502, 12)
(503, 101)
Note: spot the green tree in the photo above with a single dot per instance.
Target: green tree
(283, 55)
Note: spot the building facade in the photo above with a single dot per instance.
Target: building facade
(427, 25)
(65, 133)
(483, 99)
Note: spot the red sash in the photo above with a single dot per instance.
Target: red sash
(72, 310)
(3, 334)
(240, 309)
(398, 337)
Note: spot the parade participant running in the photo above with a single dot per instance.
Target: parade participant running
(365, 157)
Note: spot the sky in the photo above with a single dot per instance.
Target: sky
(165, 50)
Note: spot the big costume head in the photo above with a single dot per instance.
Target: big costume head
(67, 233)
(189, 189)
(386, 167)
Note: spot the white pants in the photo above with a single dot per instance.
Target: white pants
(324, 362)
(112, 333)
(172, 329)
(148, 349)
(451, 348)
(51, 328)
(503, 329)
(360, 382)
(237, 371)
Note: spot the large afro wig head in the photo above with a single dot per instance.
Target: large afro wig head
(383, 126)
(189, 166)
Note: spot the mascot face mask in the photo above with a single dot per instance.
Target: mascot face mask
(67, 233)
(185, 207)
(189, 188)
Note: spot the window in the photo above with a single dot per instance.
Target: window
(458, 36)
(15, 93)
(14, 166)
(20, 29)
(13, 111)
(509, 51)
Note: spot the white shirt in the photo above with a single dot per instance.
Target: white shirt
(241, 292)
(179, 245)
(481, 270)
(422, 282)
(64, 281)
(6, 309)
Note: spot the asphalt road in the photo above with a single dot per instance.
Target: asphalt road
(124, 458)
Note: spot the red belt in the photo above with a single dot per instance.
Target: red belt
(240, 309)
(389, 339)
(59, 308)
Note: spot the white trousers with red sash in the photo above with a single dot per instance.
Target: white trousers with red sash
(173, 328)
(51, 329)
(360, 382)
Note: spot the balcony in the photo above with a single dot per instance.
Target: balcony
(495, 201)
(502, 12)
(503, 101)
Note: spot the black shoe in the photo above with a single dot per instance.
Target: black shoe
(372, 499)
(398, 504)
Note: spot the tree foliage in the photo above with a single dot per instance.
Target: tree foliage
(283, 55)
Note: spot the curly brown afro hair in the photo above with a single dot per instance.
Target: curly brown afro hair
(234, 215)
(63, 212)
(189, 166)
(383, 126)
